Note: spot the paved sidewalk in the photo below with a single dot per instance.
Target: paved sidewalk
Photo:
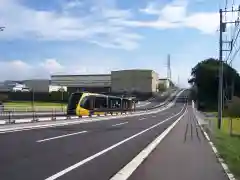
(184, 154)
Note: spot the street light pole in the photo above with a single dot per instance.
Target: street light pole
(62, 97)
(33, 109)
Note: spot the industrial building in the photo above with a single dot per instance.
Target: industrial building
(91, 82)
(136, 80)
(142, 81)
(37, 85)
(124, 81)
(167, 83)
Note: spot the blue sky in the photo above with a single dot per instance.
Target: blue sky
(44, 37)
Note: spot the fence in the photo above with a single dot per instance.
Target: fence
(10, 117)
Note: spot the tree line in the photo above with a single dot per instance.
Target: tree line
(204, 82)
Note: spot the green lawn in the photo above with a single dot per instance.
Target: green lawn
(228, 146)
(27, 104)
(229, 149)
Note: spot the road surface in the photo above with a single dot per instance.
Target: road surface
(95, 150)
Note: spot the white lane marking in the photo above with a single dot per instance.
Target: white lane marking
(142, 119)
(58, 137)
(127, 170)
(74, 166)
(140, 113)
(214, 149)
(154, 116)
(119, 124)
(143, 104)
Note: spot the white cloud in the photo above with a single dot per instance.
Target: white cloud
(66, 25)
(205, 22)
(175, 15)
(102, 23)
(174, 12)
(20, 70)
(52, 65)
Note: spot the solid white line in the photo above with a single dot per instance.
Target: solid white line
(142, 119)
(214, 149)
(74, 166)
(127, 170)
(119, 124)
(58, 137)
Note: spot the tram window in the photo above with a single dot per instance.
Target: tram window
(85, 103)
(100, 102)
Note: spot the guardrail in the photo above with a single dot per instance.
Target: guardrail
(11, 118)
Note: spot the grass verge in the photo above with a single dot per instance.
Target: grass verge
(28, 104)
(228, 146)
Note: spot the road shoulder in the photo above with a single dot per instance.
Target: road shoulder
(183, 154)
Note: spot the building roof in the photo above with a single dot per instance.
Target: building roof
(80, 75)
(133, 70)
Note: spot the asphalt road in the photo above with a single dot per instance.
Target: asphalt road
(95, 150)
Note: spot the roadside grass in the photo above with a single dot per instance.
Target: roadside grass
(29, 103)
(228, 146)
(27, 106)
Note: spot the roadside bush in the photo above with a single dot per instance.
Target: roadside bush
(233, 108)
(3, 97)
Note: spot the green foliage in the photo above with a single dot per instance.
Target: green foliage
(205, 80)
(233, 108)
(3, 97)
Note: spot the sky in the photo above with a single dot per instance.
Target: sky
(44, 37)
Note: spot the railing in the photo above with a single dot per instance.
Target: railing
(11, 117)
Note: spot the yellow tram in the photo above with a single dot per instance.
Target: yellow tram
(85, 104)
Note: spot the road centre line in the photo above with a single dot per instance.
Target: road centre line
(119, 124)
(80, 163)
(142, 119)
(58, 137)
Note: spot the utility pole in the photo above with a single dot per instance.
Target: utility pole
(220, 78)
(178, 81)
(231, 44)
(169, 73)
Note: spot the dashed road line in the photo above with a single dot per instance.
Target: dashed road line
(119, 124)
(58, 137)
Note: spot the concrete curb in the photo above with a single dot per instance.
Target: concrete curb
(221, 161)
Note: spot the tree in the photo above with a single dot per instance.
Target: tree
(205, 79)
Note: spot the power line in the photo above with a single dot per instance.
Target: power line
(236, 52)
(233, 45)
